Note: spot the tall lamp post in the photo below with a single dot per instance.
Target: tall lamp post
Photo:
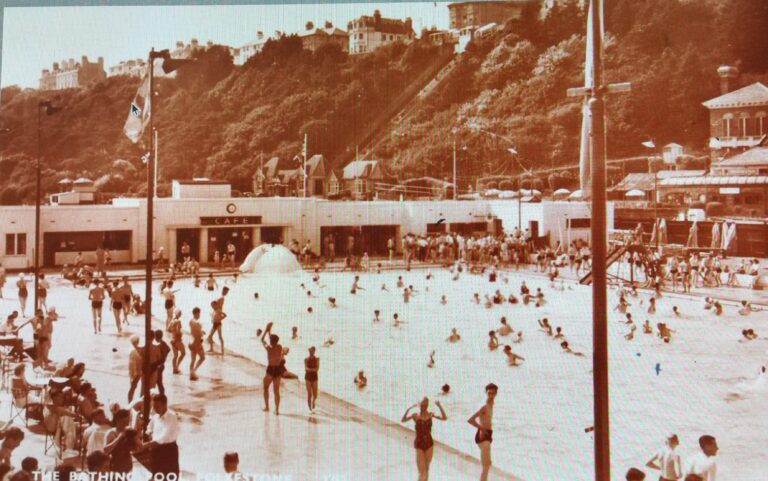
(48, 107)
(649, 144)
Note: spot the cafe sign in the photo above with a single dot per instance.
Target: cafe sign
(231, 220)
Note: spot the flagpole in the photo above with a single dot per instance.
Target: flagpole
(149, 250)
(304, 168)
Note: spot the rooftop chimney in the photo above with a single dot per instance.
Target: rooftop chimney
(729, 78)
(179, 44)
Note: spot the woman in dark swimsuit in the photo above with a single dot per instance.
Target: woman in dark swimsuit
(312, 365)
(423, 442)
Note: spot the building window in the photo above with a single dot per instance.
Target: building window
(727, 119)
(15, 244)
(743, 126)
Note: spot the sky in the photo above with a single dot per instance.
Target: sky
(35, 37)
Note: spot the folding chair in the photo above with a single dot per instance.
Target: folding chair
(20, 404)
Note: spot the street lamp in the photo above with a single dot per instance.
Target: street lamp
(49, 110)
(649, 144)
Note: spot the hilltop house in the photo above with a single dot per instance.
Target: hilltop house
(359, 177)
(284, 179)
(313, 38)
(367, 33)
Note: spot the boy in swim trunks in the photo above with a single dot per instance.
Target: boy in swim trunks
(483, 421)
(96, 296)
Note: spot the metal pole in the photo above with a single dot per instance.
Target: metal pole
(454, 167)
(154, 133)
(149, 254)
(656, 207)
(520, 204)
(37, 211)
(599, 279)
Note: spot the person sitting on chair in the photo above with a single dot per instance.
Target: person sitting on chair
(26, 395)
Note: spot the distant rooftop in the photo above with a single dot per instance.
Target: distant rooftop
(749, 96)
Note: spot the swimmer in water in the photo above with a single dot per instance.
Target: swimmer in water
(647, 329)
(431, 362)
(676, 311)
(493, 341)
(519, 337)
(505, 329)
(476, 298)
(512, 358)
(360, 380)
(443, 300)
(329, 342)
(294, 332)
(384, 288)
(558, 333)
(397, 320)
(488, 302)
(513, 299)
(631, 334)
(454, 337)
(567, 349)
(376, 316)
(652, 305)
(749, 335)
(622, 305)
(708, 303)
(332, 301)
(718, 308)
(629, 319)
(747, 308)
(544, 324)
(400, 283)
(665, 333)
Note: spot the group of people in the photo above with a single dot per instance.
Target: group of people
(701, 466)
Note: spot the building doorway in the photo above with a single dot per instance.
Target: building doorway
(272, 235)
(192, 238)
(220, 238)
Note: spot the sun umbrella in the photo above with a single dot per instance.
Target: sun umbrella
(576, 194)
(715, 235)
(635, 193)
(562, 192)
(693, 236)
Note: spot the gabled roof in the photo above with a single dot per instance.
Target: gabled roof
(324, 31)
(749, 96)
(314, 163)
(275, 165)
(756, 156)
(359, 169)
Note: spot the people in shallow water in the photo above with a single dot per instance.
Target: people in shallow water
(454, 337)
(360, 380)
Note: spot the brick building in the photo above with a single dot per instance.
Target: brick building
(131, 68)
(738, 116)
(70, 74)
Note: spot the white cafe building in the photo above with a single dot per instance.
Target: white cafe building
(204, 214)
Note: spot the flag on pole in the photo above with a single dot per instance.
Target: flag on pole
(138, 115)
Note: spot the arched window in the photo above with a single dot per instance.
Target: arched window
(760, 124)
(744, 125)
(727, 125)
